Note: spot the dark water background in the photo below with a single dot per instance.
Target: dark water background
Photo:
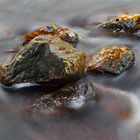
(116, 115)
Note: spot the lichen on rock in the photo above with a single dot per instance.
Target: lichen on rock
(55, 30)
(125, 25)
(115, 60)
(44, 59)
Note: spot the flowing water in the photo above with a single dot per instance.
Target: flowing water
(115, 116)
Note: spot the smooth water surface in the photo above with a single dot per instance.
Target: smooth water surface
(115, 116)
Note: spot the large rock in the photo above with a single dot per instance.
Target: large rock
(44, 59)
(115, 60)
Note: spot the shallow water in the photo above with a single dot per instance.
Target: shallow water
(116, 115)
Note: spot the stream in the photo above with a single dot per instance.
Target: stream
(115, 116)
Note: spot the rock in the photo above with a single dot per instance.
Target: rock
(126, 25)
(72, 96)
(115, 60)
(55, 30)
(44, 59)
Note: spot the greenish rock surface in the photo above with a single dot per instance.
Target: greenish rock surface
(44, 59)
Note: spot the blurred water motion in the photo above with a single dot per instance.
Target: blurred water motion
(116, 113)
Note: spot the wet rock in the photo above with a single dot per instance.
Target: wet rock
(115, 60)
(126, 25)
(55, 30)
(44, 59)
(72, 96)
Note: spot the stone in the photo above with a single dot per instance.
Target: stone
(55, 30)
(72, 96)
(44, 59)
(115, 60)
(125, 25)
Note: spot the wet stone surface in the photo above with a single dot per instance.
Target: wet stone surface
(55, 30)
(72, 96)
(126, 25)
(115, 60)
(44, 59)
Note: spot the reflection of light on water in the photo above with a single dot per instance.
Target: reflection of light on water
(22, 85)
(77, 103)
(128, 127)
(135, 118)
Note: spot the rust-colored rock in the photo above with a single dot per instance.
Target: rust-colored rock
(115, 60)
(125, 25)
(55, 30)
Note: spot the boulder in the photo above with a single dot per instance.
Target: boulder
(45, 59)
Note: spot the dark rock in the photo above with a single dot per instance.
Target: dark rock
(44, 59)
(72, 96)
(127, 25)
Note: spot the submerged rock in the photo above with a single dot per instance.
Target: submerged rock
(126, 25)
(55, 30)
(115, 60)
(72, 96)
(44, 59)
